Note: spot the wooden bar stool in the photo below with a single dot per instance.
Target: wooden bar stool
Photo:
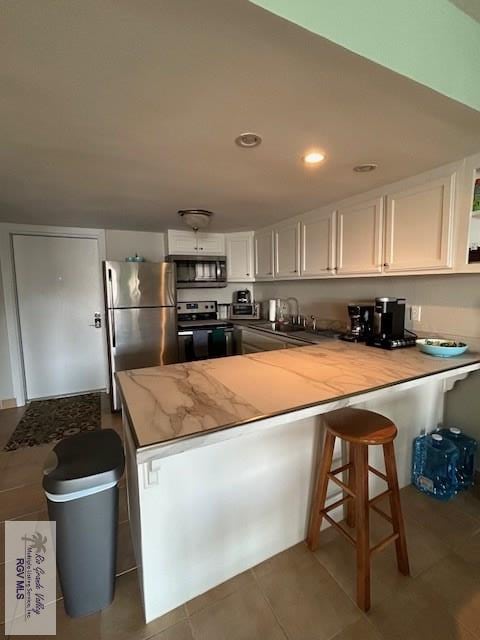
(360, 428)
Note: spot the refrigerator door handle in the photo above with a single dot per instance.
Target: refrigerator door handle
(111, 318)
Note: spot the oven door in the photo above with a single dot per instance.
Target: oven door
(201, 344)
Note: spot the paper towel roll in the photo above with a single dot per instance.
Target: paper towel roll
(272, 310)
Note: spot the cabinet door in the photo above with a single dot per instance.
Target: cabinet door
(419, 227)
(264, 254)
(287, 251)
(359, 238)
(181, 242)
(239, 251)
(212, 244)
(317, 249)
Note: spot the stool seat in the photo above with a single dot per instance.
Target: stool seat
(360, 426)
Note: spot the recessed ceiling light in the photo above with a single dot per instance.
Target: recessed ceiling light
(314, 157)
(365, 168)
(248, 140)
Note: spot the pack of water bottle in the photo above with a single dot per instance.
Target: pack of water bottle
(443, 462)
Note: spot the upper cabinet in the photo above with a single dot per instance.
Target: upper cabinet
(264, 254)
(359, 238)
(419, 225)
(317, 244)
(287, 250)
(239, 252)
(191, 243)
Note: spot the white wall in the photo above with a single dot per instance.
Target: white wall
(121, 244)
(6, 385)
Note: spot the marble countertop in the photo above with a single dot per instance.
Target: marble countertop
(185, 400)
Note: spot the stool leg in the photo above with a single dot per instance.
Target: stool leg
(320, 494)
(362, 526)
(396, 509)
(350, 520)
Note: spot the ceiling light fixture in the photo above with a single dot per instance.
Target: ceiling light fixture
(196, 218)
(248, 140)
(313, 157)
(365, 168)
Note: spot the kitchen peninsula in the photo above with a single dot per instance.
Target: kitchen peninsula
(221, 453)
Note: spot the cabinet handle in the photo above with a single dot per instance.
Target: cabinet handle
(294, 271)
(385, 264)
(247, 274)
(201, 248)
(269, 273)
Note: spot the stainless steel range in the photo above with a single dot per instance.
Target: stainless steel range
(201, 334)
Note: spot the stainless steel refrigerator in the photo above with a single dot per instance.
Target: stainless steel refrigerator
(141, 317)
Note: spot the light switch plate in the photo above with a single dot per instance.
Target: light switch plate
(415, 313)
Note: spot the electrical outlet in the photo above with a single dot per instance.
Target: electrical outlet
(415, 313)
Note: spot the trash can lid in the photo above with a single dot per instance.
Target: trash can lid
(86, 461)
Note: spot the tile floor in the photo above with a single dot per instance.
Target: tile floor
(295, 595)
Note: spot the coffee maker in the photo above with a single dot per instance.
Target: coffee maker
(242, 296)
(361, 322)
(389, 325)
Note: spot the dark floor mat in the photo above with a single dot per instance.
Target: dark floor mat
(47, 421)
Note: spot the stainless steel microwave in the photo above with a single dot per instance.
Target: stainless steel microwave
(200, 271)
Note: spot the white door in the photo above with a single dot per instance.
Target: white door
(264, 254)
(59, 292)
(287, 251)
(359, 238)
(318, 244)
(239, 251)
(419, 227)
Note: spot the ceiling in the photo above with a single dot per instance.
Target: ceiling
(116, 114)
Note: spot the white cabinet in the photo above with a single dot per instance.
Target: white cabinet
(317, 244)
(264, 254)
(419, 224)
(212, 244)
(191, 243)
(239, 252)
(181, 242)
(359, 238)
(287, 250)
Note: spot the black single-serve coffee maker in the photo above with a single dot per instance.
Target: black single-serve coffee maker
(361, 322)
(389, 325)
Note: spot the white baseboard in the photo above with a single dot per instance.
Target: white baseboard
(8, 403)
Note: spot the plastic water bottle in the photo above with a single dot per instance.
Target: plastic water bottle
(467, 448)
(434, 466)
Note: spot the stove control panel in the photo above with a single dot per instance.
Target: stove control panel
(197, 307)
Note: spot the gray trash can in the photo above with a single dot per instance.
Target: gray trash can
(80, 479)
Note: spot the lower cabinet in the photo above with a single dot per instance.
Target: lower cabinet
(251, 341)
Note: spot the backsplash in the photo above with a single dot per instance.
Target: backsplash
(450, 303)
(220, 294)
